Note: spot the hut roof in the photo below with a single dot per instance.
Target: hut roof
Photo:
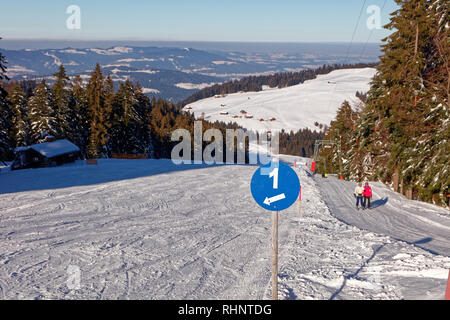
(52, 149)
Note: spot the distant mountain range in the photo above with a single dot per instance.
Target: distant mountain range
(167, 72)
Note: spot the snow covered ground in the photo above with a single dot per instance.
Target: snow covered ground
(420, 223)
(147, 229)
(294, 107)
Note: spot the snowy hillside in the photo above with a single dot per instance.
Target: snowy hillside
(147, 229)
(291, 108)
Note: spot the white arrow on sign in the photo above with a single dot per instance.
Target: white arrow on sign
(269, 201)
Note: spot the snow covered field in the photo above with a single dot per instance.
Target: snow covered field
(146, 229)
(293, 107)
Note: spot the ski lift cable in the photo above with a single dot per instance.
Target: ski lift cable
(349, 47)
(354, 31)
(371, 32)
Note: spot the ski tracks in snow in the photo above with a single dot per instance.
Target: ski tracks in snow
(196, 234)
(393, 215)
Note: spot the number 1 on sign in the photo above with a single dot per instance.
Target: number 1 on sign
(274, 175)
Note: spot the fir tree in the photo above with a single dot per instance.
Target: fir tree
(343, 130)
(60, 102)
(20, 130)
(5, 114)
(42, 117)
(79, 118)
(99, 115)
(126, 120)
(407, 143)
(143, 111)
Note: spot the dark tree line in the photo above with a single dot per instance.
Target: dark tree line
(98, 118)
(300, 143)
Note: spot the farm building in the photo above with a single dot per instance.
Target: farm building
(47, 154)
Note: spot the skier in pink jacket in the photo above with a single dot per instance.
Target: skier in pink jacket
(367, 196)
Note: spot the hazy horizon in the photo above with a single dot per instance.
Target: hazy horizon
(243, 46)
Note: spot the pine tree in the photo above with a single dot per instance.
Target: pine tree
(99, 115)
(143, 111)
(20, 130)
(131, 121)
(5, 114)
(409, 144)
(127, 101)
(126, 119)
(5, 120)
(343, 130)
(60, 102)
(42, 117)
(79, 118)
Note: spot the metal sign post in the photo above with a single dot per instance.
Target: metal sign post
(275, 187)
(300, 202)
(275, 256)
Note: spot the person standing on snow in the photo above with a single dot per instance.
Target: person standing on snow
(367, 196)
(359, 195)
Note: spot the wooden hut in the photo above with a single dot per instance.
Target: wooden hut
(47, 154)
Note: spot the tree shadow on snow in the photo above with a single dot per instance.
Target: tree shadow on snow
(419, 244)
(80, 174)
(375, 252)
(355, 274)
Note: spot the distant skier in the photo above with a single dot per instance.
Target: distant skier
(367, 195)
(359, 196)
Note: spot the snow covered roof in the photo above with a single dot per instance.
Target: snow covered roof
(52, 149)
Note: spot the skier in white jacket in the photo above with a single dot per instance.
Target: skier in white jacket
(359, 191)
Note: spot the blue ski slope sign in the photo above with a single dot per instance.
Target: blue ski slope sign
(275, 186)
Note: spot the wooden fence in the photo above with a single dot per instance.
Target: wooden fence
(130, 156)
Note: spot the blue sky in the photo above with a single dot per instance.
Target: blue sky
(194, 20)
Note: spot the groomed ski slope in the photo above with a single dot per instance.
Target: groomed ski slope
(422, 224)
(151, 230)
(294, 107)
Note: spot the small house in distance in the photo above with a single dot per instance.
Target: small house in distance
(47, 154)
